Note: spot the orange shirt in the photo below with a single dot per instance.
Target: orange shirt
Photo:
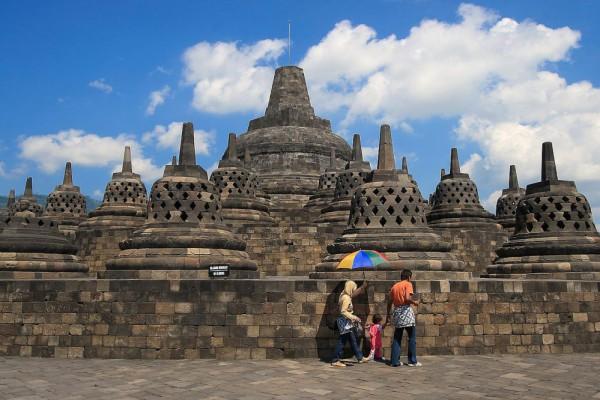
(401, 292)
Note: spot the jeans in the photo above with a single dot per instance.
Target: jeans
(412, 345)
(339, 348)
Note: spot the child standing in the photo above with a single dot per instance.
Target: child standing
(375, 333)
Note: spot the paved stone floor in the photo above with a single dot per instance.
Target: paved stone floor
(490, 377)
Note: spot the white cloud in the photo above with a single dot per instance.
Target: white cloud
(98, 194)
(157, 98)
(370, 154)
(472, 164)
(101, 85)
(169, 137)
(439, 69)
(228, 77)
(50, 152)
(490, 202)
(2, 169)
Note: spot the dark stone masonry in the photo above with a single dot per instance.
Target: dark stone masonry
(289, 199)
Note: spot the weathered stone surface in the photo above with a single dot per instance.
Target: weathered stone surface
(34, 244)
(354, 174)
(184, 228)
(326, 189)
(506, 206)
(290, 146)
(66, 205)
(5, 211)
(388, 215)
(26, 203)
(237, 188)
(123, 210)
(554, 231)
(455, 203)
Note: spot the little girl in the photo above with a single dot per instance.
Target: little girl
(375, 331)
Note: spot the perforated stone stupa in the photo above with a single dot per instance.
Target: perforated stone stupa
(555, 235)
(66, 205)
(27, 202)
(326, 190)
(506, 206)
(290, 146)
(456, 201)
(237, 188)
(184, 230)
(388, 215)
(123, 209)
(31, 245)
(354, 174)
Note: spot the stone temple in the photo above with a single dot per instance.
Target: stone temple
(244, 264)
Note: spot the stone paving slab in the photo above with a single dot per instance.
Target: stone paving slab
(523, 377)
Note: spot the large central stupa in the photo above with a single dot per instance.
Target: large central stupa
(290, 146)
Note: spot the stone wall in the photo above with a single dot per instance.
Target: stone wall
(293, 246)
(477, 248)
(260, 319)
(96, 246)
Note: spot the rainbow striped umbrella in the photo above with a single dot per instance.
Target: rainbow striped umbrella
(362, 259)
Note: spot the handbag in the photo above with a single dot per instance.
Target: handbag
(344, 325)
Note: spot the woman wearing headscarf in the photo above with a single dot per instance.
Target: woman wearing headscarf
(347, 322)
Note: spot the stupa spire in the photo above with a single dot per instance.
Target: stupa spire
(454, 163)
(127, 160)
(68, 177)
(385, 160)
(187, 151)
(174, 160)
(231, 147)
(11, 198)
(289, 91)
(28, 188)
(442, 172)
(404, 166)
(548, 164)
(356, 148)
(513, 182)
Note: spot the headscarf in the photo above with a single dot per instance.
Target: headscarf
(349, 288)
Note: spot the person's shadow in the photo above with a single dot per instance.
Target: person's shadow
(327, 332)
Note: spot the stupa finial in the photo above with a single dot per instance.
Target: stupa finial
(404, 165)
(68, 177)
(513, 182)
(174, 160)
(11, 198)
(28, 188)
(548, 164)
(454, 163)
(442, 172)
(127, 160)
(385, 159)
(356, 148)
(187, 152)
(231, 147)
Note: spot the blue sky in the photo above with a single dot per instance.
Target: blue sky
(494, 79)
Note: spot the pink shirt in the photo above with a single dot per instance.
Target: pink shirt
(375, 332)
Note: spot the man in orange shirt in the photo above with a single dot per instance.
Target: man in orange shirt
(401, 297)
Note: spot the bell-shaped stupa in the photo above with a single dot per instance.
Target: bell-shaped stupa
(5, 211)
(354, 174)
(26, 202)
(506, 206)
(388, 216)
(455, 203)
(326, 190)
(32, 246)
(237, 188)
(554, 235)
(123, 210)
(66, 205)
(184, 230)
(290, 145)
